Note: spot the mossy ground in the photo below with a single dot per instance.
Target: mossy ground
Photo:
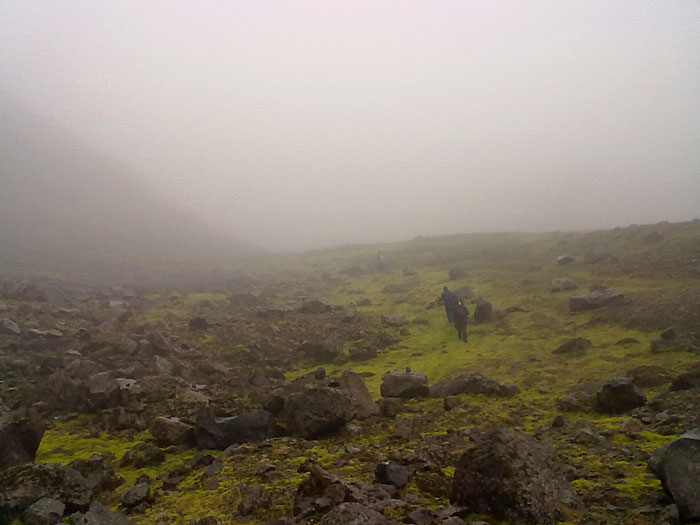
(508, 270)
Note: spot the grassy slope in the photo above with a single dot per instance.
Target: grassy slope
(506, 269)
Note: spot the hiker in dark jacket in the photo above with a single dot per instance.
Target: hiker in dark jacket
(450, 301)
(460, 320)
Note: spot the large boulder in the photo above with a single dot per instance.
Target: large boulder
(20, 435)
(318, 412)
(595, 299)
(23, 485)
(46, 511)
(363, 403)
(677, 465)
(221, 432)
(9, 327)
(98, 472)
(577, 346)
(513, 477)
(172, 431)
(389, 473)
(561, 285)
(619, 395)
(314, 306)
(688, 380)
(98, 514)
(649, 375)
(472, 383)
(102, 391)
(483, 311)
(321, 352)
(404, 384)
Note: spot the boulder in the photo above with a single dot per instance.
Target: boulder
(649, 375)
(618, 396)
(98, 514)
(677, 465)
(483, 311)
(20, 435)
(513, 477)
(565, 259)
(221, 432)
(102, 391)
(172, 431)
(595, 299)
(389, 473)
(98, 472)
(355, 386)
(198, 323)
(355, 514)
(46, 511)
(136, 495)
(404, 384)
(318, 412)
(561, 285)
(314, 306)
(472, 383)
(320, 352)
(9, 327)
(688, 380)
(577, 345)
(23, 485)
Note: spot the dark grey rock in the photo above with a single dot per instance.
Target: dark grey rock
(649, 375)
(595, 299)
(355, 386)
(472, 383)
(318, 412)
(172, 431)
(218, 433)
(46, 511)
(136, 495)
(561, 285)
(483, 311)
(23, 485)
(577, 345)
(677, 465)
(618, 396)
(513, 477)
(389, 473)
(20, 435)
(404, 384)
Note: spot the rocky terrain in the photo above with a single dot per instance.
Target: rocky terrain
(328, 388)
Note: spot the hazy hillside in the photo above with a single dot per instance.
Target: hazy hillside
(66, 208)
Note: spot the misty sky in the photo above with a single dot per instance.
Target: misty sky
(305, 124)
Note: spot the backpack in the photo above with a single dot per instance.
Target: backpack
(462, 311)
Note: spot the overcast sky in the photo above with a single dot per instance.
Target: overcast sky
(307, 124)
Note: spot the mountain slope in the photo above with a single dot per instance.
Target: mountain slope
(69, 209)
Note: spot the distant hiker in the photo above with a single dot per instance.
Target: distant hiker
(450, 301)
(380, 261)
(460, 319)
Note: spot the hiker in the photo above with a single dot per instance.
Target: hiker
(450, 301)
(460, 319)
(380, 261)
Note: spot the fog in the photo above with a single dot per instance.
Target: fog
(296, 125)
